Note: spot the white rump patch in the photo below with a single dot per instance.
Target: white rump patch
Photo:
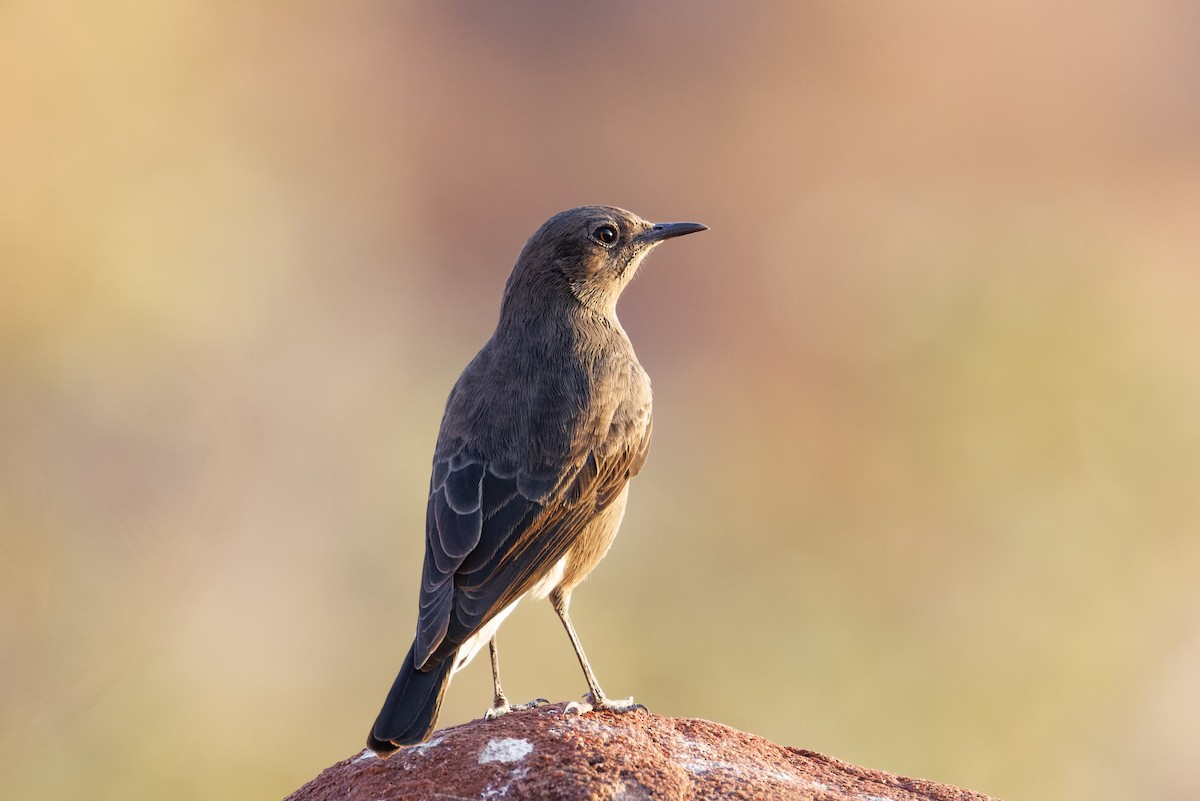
(475, 643)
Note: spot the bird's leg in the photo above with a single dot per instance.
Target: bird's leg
(595, 699)
(500, 704)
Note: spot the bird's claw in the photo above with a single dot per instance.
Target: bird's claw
(504, 707)
(619, 705)
(577, 708)
(591, 702)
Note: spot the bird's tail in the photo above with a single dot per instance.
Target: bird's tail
(411, 708)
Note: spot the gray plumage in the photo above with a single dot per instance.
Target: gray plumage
(540, 436)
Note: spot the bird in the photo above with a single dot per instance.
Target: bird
(540, 436)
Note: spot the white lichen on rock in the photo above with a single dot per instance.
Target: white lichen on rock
(505, 749)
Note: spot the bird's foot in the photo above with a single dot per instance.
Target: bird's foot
(591, 702)
(503, 707)
(577, 708)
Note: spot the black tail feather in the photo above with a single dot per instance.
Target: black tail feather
(411, 708)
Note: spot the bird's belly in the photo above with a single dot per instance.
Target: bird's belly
(593, 543)
(549, 581)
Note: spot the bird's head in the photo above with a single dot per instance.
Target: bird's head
(592, 252)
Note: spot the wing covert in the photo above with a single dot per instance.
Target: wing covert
(493, 531)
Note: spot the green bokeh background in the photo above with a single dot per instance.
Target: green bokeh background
(925, 487)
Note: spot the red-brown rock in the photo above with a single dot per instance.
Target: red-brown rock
(544, 754)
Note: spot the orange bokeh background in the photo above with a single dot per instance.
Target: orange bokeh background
(925, 487)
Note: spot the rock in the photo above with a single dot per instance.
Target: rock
(544, 754)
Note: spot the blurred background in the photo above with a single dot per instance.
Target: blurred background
(925, 488)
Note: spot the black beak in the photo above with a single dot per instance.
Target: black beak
(662, 231)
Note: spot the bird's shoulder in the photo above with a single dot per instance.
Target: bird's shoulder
(548, 394)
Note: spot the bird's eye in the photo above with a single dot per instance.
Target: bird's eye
(605, 234)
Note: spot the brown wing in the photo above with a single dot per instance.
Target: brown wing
(492, 531)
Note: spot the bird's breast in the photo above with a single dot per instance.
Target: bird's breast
(622, 407)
